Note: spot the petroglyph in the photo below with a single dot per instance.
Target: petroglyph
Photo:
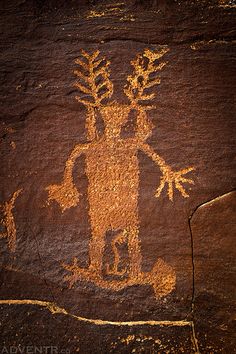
(112, 168)
(8, 221)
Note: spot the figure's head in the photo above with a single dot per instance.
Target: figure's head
(114, 116)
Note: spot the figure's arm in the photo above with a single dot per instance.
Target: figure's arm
(66, 193)
(76, 152)
(169, 177)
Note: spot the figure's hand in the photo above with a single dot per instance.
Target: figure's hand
(65, 194)
(174, 179)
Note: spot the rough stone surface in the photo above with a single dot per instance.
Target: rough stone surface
(213, 227)
(194, 125)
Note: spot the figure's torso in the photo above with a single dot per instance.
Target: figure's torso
(113, 177)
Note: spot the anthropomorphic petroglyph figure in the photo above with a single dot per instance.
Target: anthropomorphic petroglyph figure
(8, 221)
(112, 169)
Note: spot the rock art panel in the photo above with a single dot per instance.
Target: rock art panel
(112, 169)
(102, 250)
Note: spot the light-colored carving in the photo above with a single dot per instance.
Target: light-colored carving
(13, 145)
(112, 169)
(55, 309)
(118, 240)
(8, 221)
(96, 84)
(140, 343)
(106, 10)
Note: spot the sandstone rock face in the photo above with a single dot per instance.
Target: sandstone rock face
(118, 171)
(214, 272)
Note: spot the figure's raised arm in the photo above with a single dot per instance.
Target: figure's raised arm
(66, 194)
(169, 177)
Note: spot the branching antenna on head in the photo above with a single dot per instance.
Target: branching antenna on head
(94, 82)
(94, 79)
(143, 77)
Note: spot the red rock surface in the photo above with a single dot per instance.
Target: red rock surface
(194, 125)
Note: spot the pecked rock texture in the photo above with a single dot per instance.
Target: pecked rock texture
(162, 279)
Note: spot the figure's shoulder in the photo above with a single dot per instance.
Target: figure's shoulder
(81, 146)
(136, 142)
(95, 144)
(132, 141)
